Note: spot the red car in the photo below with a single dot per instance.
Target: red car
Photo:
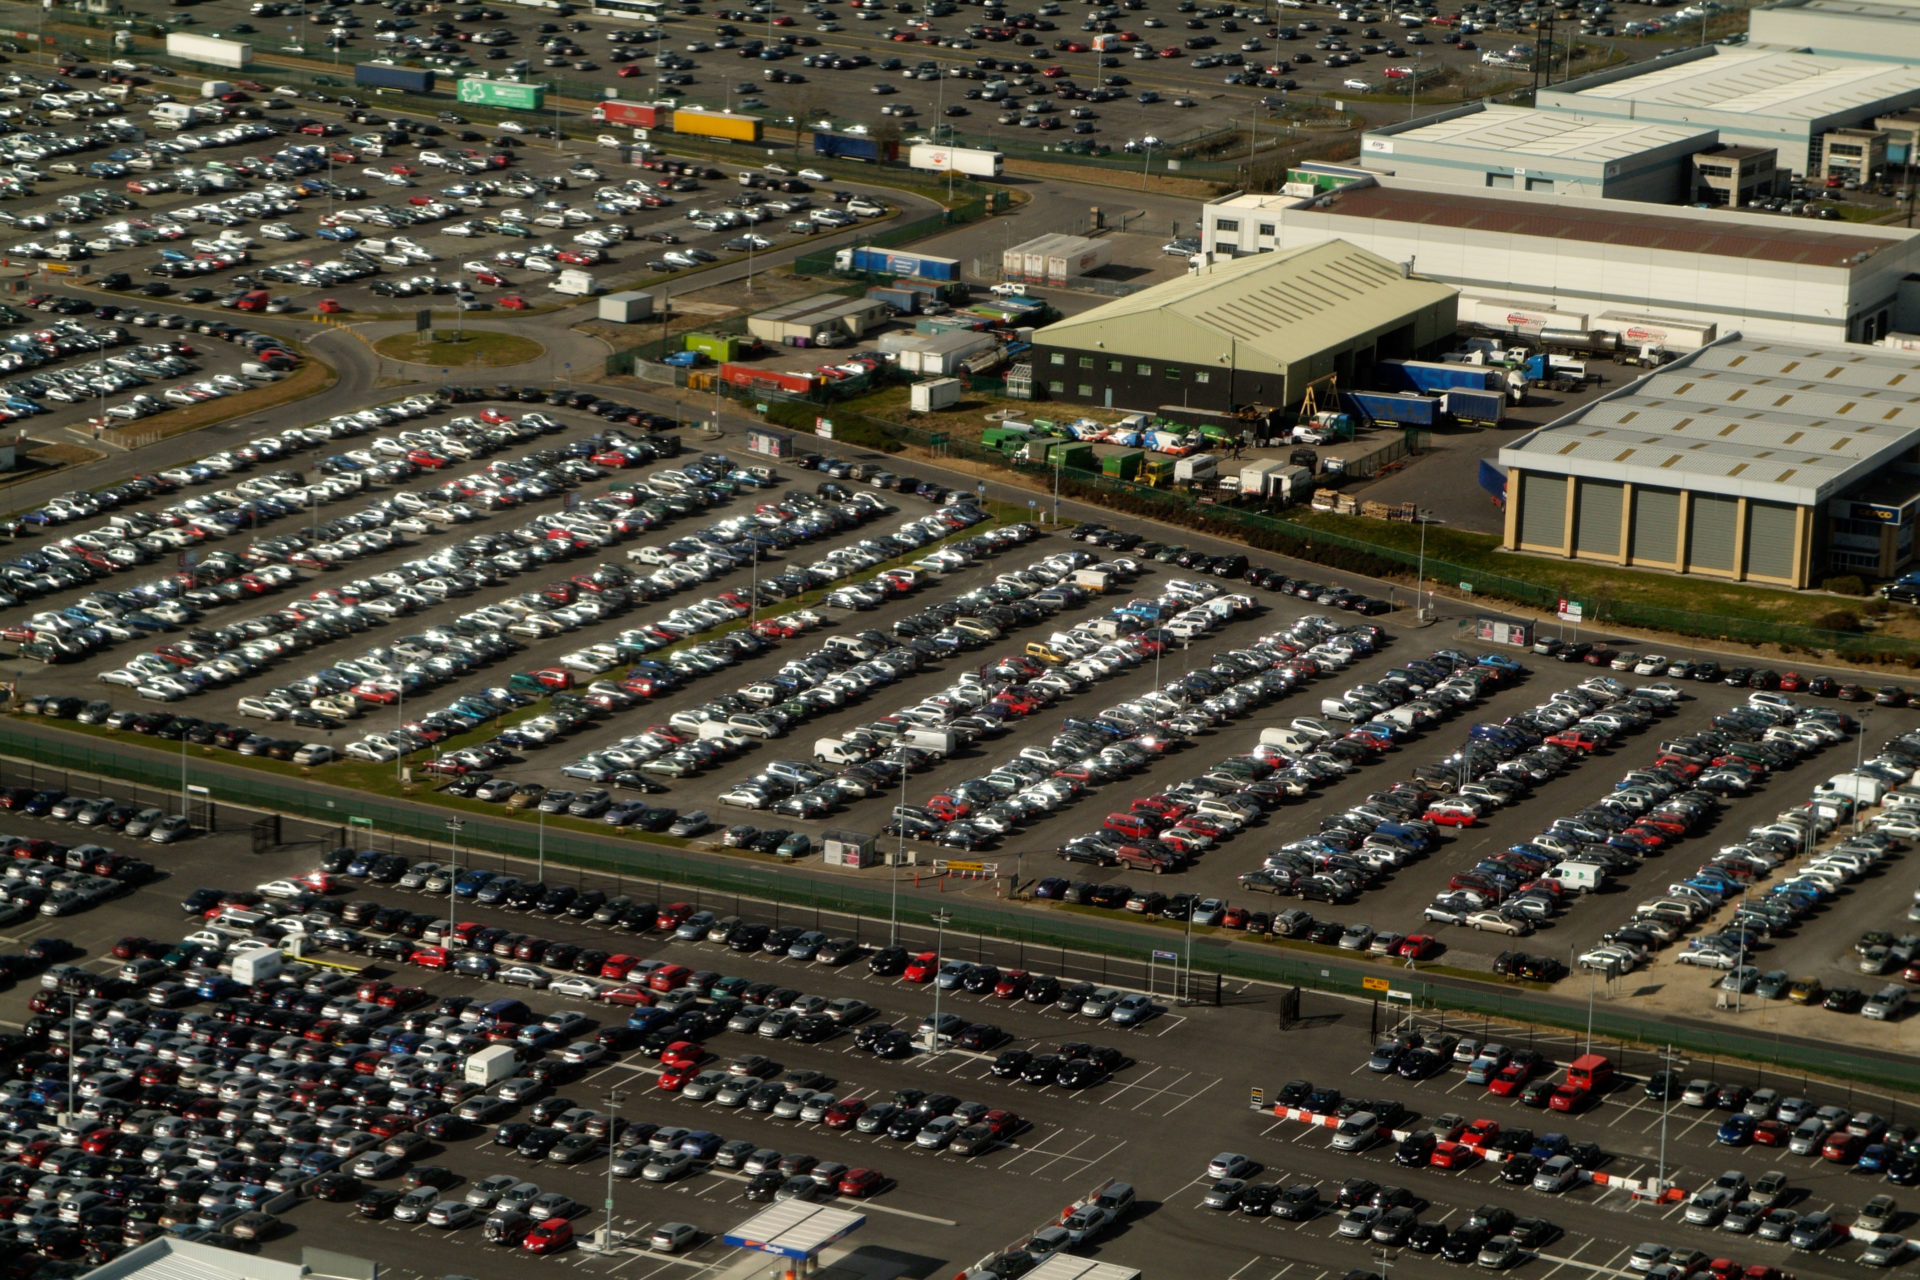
(1512, 1078)
(1418, 946)
(1772, 1133)
(683, 1055)
(1481, 1132)
(1452, 1155)
(616, 966)
(431, 958)
(922, 967)
(860, 1183)
(672, 915)
(551, 1236)
(512, 302)
(630, 997)
(674, 1079)
(1012, 985)
(1570, 1098)
(668, 977)
(843, 1113)
(1844, 1148)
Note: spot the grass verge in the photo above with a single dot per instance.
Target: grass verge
(311, 378)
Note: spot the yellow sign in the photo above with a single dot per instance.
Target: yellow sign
(966, 866)
(1374, 984)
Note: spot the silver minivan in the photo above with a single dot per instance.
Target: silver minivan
(1357, 1132)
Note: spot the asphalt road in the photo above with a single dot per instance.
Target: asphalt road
(1181, 1097)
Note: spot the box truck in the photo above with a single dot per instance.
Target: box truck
(405, 79)
(208, 49)
(215, 88)
(640, 115)
(1098, 581)
(578, 283)
(1579, 877)
(853, 146)
(492, 1065)
(972, 161)
(1196, 468)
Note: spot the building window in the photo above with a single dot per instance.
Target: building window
(1084, 391)
(1086, 362)
(1203, 376)
(1716, 170)
(1266, 229)
(1173, 374)
(1057, 388)
(1144, 369)
(1057, 357)
(1116, 366)
(1227, 226)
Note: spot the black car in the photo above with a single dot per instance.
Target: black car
(1257, 1200)
(1298, 1202)
(378, 1203)
(1463, 1244)
(1012, 1064)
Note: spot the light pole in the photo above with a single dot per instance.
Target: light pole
(940, 922)
(1859, 746)
(1420, 582)
(614, 1099)
(453, 870)
(1056, 486)
(186, 801)
(1666, 1105)
(893, 912)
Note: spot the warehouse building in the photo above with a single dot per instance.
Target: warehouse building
(1839, 28)
(1252, 332)
(1748, 460)
(823, 320)
(1545, 153)
(1764, 276)
(1787, 101)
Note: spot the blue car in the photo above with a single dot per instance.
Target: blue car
(1736, 1132)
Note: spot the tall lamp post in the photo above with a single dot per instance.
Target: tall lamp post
(940, 921)
(614, 1099)
(893, 911)
(454, 826)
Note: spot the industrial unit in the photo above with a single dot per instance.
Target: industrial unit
(1839, 28)
(1755, 461)
(1252, 332)
(1787, 101)
(1540, 152)
(1764, 276)
(935, 354)
(822, 320)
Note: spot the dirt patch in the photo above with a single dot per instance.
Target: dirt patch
(62, 455)
(474, 349)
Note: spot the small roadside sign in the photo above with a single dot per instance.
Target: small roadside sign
(423, 321)
(1259, 1102)
(1166, 955)
(1375, 984)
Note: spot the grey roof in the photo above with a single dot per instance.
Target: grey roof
(1753, 83)
(169, 1259)
(1549, 134)
(1064, 1266)
(821, 306)
(1783, 422)
(794, 1228)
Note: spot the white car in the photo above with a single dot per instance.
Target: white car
(1362, 86)
(813, 175)
(579, 988)
(280, 889)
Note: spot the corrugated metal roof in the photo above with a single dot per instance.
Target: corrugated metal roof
(1734, 421)
(1548, 134)
(1282, 306)
(1793, 86)
(1716, 234)
(827, 305)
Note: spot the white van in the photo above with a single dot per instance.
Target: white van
(1856, 787)
(1291, 741)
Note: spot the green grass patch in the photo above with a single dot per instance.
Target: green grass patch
(473, 349)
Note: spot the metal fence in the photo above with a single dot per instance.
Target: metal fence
(1065, 938)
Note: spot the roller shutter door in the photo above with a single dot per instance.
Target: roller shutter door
(1710, 532)
(1770, 539)
(1656, 525)
(1597, 528)
(1543, 511)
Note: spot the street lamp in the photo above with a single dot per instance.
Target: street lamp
(893, 912)
(614, 1099)
(940, 921)
(453, 868)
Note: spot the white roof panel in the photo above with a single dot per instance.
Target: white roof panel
(1549, 134)
(1753, 83)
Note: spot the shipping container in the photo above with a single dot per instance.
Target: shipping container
(973, 162)
(898, 262)
(934, 395)
(1402, 407)
(1124, 466)
(1466, 405)
(905, 301)
(1423, 375)
(740, 375)
(208, 49)
(640, 115)
(1068, 262)
(719, 348)
(1639, 330)
(405, 79)
(853, 146)
(699, 123)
